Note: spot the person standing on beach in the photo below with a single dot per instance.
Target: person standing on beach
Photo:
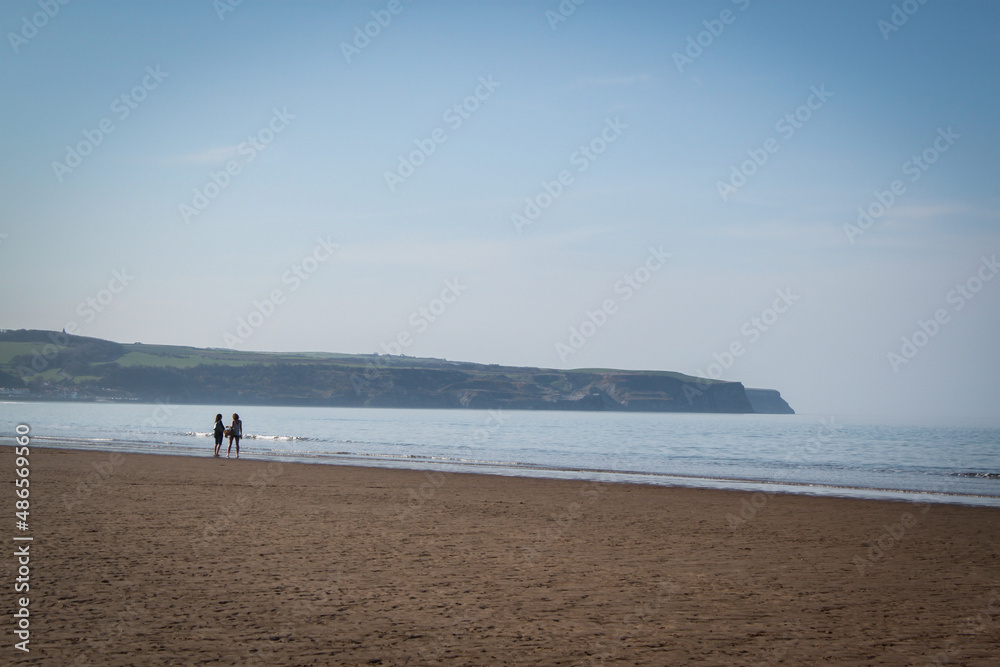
(235, 433)
(220, 430)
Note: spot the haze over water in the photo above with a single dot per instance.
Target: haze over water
(757, 453)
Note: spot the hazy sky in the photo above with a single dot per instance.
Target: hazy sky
(502, 182)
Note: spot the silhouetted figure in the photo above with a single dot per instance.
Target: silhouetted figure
(220, 430)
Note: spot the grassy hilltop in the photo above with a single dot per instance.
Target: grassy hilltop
(48, 365)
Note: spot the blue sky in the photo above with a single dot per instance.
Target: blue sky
(271, 80)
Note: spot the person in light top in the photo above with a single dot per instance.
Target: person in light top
(235, 433)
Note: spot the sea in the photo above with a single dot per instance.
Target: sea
(804, 454)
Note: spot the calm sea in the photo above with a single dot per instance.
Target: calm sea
(789, 453)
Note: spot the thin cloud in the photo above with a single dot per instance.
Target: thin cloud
(604, 81)
(216, 155)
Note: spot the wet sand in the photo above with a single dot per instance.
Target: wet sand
(163, 560)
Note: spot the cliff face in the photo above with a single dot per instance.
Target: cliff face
(92, 369)
(768, 402)
(543, 389)
(642, 392)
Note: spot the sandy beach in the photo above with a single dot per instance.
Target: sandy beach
(163, 560)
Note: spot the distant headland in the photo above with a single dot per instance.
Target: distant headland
(56, 366)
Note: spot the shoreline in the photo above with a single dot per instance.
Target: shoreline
(669, 480)
(155, 560)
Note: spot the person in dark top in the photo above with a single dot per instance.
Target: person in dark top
(220, 430)
(235, 433)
